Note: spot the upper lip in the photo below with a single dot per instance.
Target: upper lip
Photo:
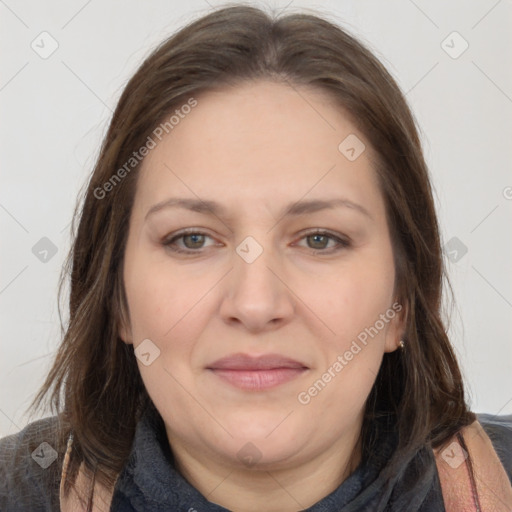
(262, 362)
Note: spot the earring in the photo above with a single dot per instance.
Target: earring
(402, 344)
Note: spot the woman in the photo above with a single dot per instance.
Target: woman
(255, 300)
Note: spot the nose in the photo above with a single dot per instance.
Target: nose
(256, 295)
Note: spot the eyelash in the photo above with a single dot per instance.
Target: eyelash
(342, 243)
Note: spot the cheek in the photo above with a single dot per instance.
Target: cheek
(171, 311)
(170, 308)
(352, 356)
(160, 297)
(354, 299)
(354, 306)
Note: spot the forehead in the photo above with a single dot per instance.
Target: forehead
(259, 140)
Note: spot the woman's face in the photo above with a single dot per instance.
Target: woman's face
(250, 172)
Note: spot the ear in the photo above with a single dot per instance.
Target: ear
(396, 326)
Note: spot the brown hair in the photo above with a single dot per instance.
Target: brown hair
(103, 393)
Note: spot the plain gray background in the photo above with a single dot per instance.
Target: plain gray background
(55, 109)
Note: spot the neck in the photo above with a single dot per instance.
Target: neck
(286, 489)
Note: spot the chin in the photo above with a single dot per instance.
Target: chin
(265, 443)
(262, 454)
(260, 425)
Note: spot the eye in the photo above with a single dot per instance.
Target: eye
(187, 241)
(191, 242)
(325, 241)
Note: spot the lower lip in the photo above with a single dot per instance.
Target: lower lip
(258, 379)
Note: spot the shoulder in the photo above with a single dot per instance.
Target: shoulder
(30, 468)
(499, 430)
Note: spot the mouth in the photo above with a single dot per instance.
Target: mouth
(257, 373)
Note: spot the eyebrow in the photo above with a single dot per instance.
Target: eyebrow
(293, 209)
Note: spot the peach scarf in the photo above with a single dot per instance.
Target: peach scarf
(490, 490)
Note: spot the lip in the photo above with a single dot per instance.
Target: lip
(257, 373)
(252, 363)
